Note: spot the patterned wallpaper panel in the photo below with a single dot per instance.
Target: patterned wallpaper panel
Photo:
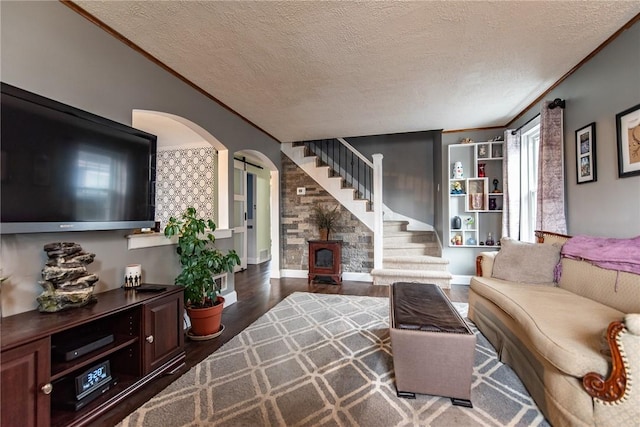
(186, 177)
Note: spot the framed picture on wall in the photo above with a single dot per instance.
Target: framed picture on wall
(586, 153)
(628, 132)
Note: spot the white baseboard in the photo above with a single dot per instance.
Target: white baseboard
(303, 274)
(460, 280)
(257, 260)
(357, 277)
(230, 298)
(300, 274)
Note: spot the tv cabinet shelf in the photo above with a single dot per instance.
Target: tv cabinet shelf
(60, 369)
(38, 383)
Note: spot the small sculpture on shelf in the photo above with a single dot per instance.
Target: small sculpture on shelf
(471, 241)
(466, 141)
(456, 188)
(495, 186)
(458, 171)
(456, 240)
(67, 283)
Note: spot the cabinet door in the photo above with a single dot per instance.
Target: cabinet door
(164, 335)
(25, 387)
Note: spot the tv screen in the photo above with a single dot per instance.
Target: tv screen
(64, 169)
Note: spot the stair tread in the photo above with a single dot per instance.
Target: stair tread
(416, 258)
(408, 233)
(411, 273)
(410, 245)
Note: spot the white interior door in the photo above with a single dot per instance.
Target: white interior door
(239, 225)
(252, 224)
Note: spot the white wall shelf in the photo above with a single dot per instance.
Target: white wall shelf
(482, 175)
(150, 240)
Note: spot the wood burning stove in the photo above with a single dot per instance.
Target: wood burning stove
(325, 260)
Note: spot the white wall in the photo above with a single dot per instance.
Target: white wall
(606, 85)
(49, 49)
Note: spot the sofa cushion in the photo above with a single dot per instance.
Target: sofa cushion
(564, 328)
(620, 290)
(524, 262)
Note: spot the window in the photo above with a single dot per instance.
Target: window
(529, 149)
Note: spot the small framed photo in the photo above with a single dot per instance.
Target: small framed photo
(586, 153)
(628, 133)
(483, 151)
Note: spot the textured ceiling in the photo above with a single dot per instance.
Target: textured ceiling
(309, 70)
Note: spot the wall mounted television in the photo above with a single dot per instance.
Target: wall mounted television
(64, 169)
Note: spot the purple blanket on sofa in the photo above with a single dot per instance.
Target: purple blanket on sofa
(609, 253)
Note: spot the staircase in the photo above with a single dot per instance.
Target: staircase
(408, 256)
(332, 183)
(411, 256)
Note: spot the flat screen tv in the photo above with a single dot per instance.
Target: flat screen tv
(64, 169)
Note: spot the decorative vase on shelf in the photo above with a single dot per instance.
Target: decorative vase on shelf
(481, 167)
(456, 223)
(489, 241)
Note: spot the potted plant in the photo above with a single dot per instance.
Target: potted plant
(325, 219)
(200, 261)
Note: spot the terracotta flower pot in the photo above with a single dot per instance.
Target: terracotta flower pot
(206, 321)
(324, 234)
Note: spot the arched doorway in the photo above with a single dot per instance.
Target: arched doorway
(258, 196)
(177, 133)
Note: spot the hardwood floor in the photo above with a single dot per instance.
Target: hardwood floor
(256, 295)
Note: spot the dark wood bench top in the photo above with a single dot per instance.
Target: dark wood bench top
(424, 307)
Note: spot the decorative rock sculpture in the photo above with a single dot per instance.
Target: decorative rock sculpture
(67, 283)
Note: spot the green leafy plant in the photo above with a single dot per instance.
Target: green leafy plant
(199, 258)
(325, 217)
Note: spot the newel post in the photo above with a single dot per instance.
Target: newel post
(377, 211)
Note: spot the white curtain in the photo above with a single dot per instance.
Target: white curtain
(550, 207)
(511, 184)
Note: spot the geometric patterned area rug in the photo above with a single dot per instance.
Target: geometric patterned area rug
(325, 360)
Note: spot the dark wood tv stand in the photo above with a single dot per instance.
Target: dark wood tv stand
(148, 342)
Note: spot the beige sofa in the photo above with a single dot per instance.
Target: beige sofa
(554, 335)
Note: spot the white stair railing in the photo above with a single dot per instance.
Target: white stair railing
(377, 211)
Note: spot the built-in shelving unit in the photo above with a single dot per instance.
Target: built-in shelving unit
(475, 196)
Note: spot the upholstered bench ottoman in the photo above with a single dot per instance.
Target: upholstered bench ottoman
(432, 346)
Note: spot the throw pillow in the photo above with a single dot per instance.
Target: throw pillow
(525, 262)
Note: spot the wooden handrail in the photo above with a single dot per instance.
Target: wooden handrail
(479, 266)
(540, 235)
(613, 388)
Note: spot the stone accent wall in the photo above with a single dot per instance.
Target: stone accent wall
(297, 228)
